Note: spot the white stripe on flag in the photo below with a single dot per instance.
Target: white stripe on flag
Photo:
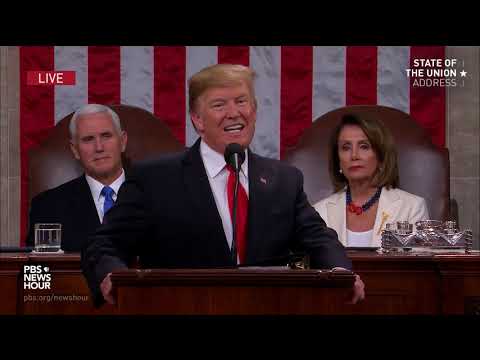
(136, 69)
(328, 79)
(198, 57)
(393, 86)
(265, 61)
(69, 98)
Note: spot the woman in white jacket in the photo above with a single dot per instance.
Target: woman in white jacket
(363, 168)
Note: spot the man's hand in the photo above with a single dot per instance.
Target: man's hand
(358, 291)
(106, 288)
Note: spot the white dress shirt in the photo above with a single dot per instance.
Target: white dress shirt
(96, 188)
(217, 173)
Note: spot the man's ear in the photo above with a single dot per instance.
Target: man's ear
(197, 122)
(124, 140)
(74, 150)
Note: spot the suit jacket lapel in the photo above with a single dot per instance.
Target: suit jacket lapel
(261, 182)
(336, 210)
(199, 191)
(84, 204)
(388, 205)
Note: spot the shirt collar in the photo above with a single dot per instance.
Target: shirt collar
(215, 162)
(96, 186)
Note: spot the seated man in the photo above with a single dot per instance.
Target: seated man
(97, 141)
(175, 212)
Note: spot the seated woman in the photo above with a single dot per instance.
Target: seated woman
(363, 168)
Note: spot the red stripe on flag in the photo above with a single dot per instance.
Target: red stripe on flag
(296, 94)
(169, 88)
(104, 74)
(234, 55)
(361, 75)
(36, 117)
(427, 104)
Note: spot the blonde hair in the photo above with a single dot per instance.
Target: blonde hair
(219, 75)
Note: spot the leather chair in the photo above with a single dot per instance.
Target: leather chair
(52, 163)
(424, 169)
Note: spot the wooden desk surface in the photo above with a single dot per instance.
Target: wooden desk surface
(395, 284)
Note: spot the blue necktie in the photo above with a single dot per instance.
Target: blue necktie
(107, 192)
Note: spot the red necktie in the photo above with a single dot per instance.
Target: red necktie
(242, 213)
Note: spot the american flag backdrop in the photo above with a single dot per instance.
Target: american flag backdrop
(294, 85)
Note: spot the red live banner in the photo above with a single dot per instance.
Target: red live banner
(50, 78)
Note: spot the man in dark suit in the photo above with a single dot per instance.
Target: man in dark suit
(97, 141)
(174, 212)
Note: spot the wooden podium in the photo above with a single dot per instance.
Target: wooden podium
(245, 291)
(395, 284)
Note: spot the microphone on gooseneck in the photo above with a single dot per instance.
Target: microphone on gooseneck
(234, 156)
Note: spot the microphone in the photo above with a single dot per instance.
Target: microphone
(235, 156)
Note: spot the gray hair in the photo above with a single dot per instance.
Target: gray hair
(93, 109)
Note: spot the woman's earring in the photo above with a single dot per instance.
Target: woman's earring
(340, 171)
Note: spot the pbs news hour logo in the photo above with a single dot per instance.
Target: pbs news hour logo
(448, 72)
(39, 277)
(36, 277)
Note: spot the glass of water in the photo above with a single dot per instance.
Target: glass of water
(48, 237)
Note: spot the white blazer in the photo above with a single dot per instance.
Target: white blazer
(394, 205)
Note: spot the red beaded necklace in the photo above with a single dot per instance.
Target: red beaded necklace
(360, 209)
